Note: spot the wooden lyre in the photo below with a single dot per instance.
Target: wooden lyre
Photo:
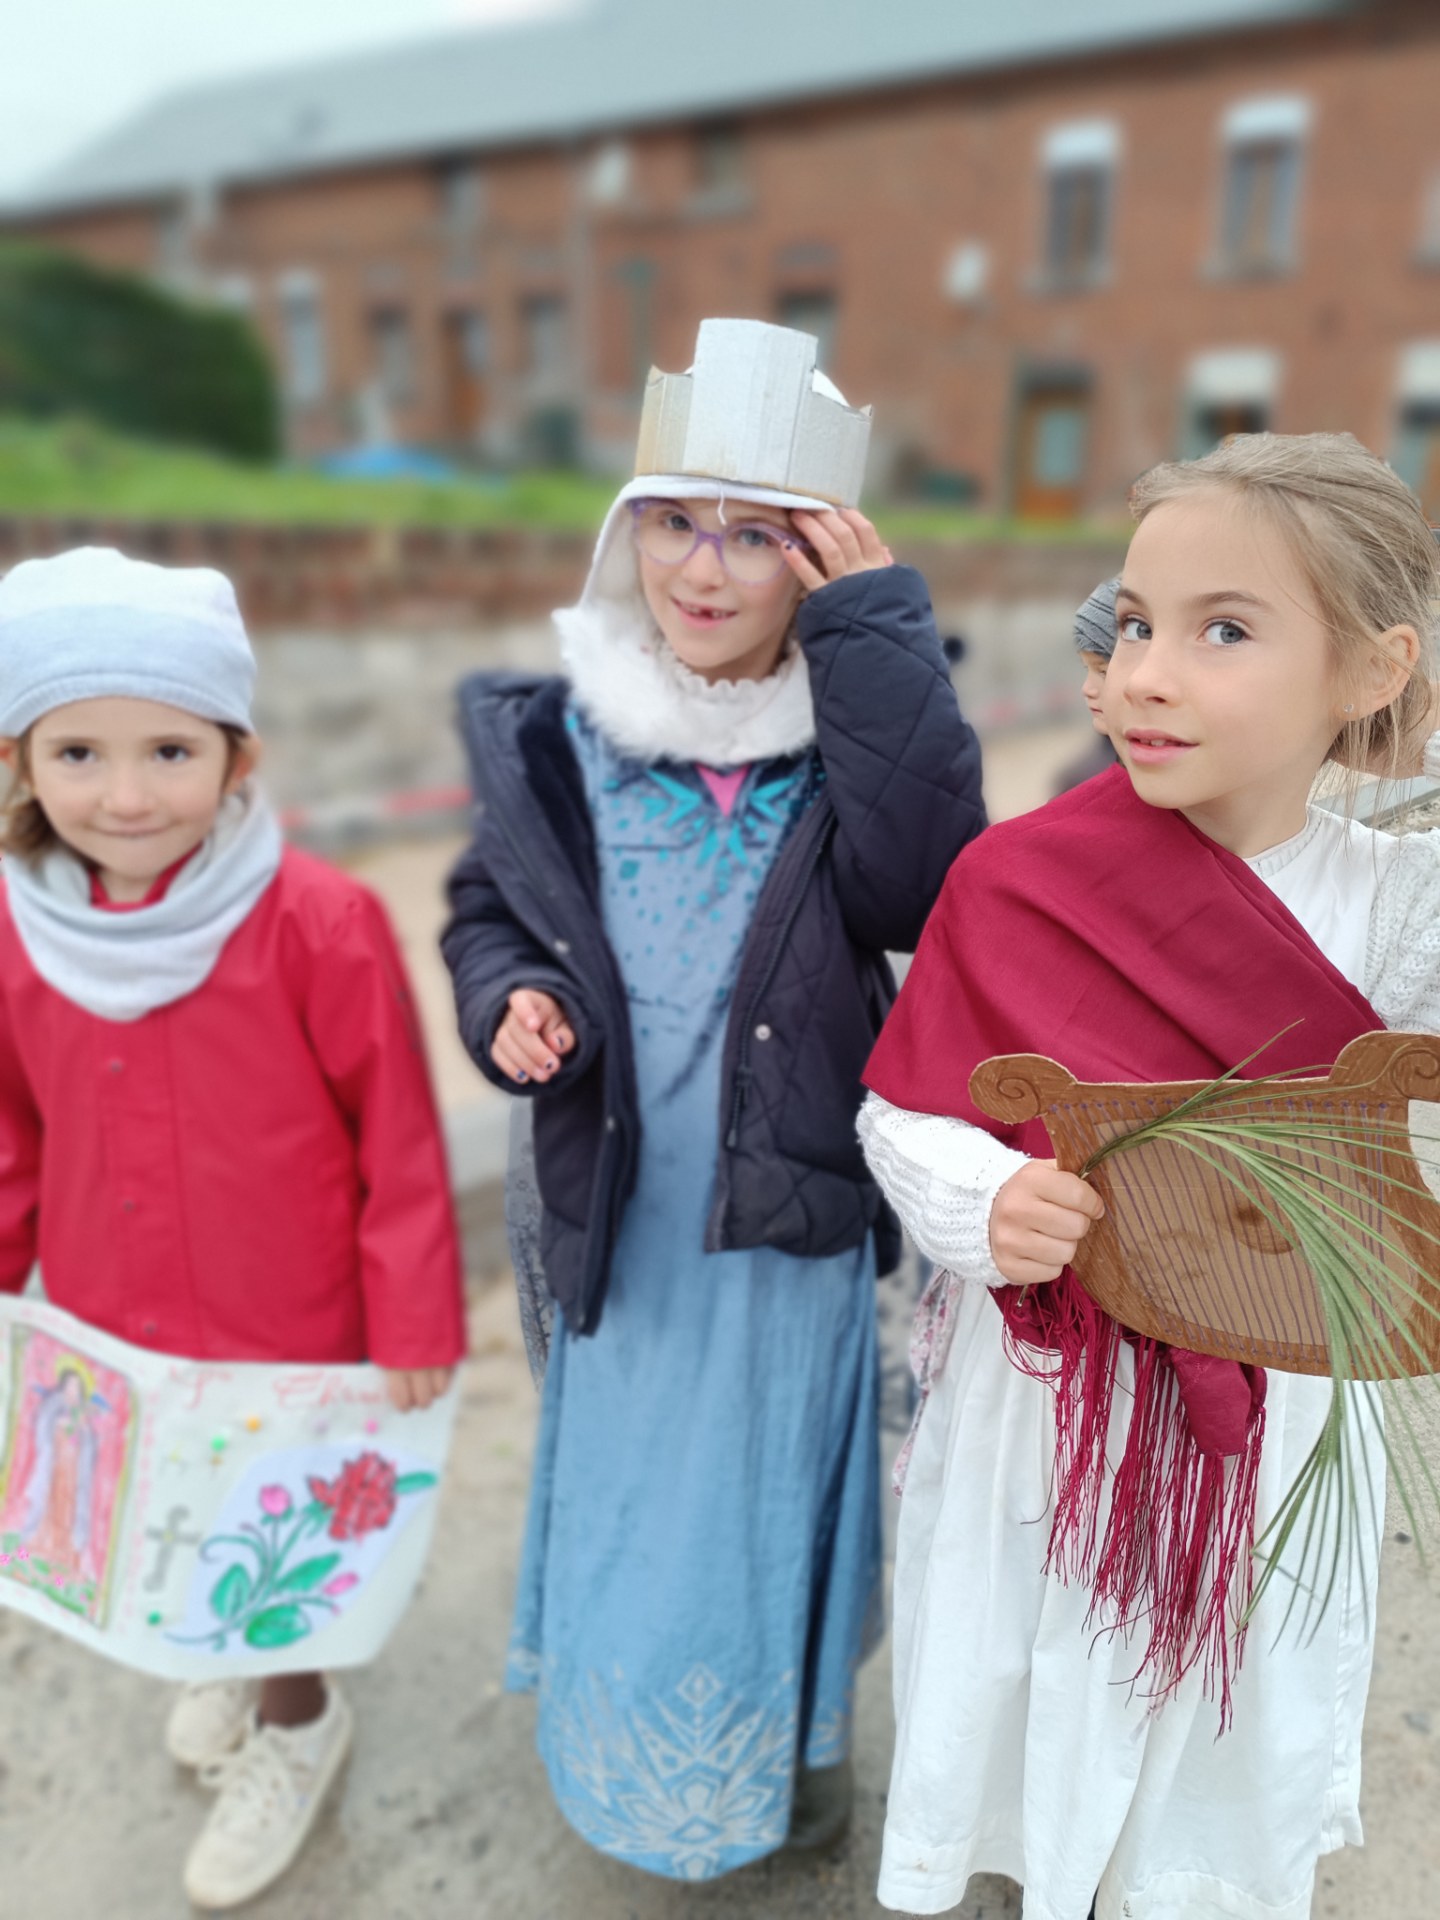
(1186, 1256)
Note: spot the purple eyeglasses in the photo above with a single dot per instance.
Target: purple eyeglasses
(752, 552)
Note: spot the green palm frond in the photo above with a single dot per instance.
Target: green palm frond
(1301, 1172)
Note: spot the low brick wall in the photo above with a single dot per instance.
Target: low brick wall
(338, 578)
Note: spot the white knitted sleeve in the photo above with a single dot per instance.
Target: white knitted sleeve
(941, 1176)
(1402, 973)
(1402, 967)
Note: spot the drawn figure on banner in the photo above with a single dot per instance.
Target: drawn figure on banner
(64, 1468)
(279, 1578)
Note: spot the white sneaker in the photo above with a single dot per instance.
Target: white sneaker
(270, 1793)
(209, 1721)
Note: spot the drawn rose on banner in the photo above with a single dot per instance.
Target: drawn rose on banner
(362, 1495)
(276, 1588)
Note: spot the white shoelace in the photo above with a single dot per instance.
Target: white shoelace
(259, 1783)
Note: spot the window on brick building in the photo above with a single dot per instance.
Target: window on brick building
(1075, 240)
(720, 159)
(302, 332)
(1230, 391)
(393, 347)
(1417, 454)
(1417, 444)
(1079, 168)
(1429, 247)
(546, 329)
(465, 371)
(812, 312)
(636, 279)
(462, 197)
(173, 258)
(550, 431)
(1264, 150)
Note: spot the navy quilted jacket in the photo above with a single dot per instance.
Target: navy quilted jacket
(855, 880)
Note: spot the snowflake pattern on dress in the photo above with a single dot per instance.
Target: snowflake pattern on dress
(700, 1776)
(680, 871)
(690, 814)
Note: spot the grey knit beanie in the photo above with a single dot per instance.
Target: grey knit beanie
(1095, 620)
(91, 622)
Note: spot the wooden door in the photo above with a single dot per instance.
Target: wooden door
(1050, 452)
(463, 357)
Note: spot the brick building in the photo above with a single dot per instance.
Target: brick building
(1053, 243)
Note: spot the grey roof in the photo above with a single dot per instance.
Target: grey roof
(616, 63)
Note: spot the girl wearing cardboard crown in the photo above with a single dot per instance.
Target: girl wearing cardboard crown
(1075, 1550)
(692, 854)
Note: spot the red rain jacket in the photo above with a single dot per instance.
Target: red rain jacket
(254, 1172)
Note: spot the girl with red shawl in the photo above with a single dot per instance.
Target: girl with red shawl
(1080, 1504)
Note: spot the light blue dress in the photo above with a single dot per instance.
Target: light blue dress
(701, 1573)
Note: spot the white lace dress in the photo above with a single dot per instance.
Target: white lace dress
(1020, 1748)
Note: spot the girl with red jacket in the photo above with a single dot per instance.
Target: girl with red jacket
(191, 1013)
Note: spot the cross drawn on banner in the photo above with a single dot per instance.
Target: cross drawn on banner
(167, 1539)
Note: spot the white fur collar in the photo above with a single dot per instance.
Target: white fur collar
(643, 699)
(648, 704)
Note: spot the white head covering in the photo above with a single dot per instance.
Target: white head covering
(633, 686)
(91, 622)
(752, 403)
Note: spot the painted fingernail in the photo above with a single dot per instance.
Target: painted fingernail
(551, 1065)
(522, 1076)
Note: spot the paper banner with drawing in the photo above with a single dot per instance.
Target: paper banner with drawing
(204, 1519)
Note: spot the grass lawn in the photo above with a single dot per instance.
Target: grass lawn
(75, 468)
(72, 467)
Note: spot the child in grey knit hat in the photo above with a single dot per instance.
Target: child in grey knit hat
(1094, 635)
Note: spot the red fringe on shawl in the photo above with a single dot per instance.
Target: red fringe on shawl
(1169, 1554)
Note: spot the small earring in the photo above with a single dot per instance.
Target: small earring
(1351, 707)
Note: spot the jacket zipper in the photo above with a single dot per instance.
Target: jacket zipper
(743, 1074)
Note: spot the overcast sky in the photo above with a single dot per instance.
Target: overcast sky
(71, 69)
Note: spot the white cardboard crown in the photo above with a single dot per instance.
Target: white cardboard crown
(754, 410)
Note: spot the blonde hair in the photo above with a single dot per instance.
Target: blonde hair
(25, 828)
(1365, 548)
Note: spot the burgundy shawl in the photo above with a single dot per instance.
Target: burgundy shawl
(1115, 938)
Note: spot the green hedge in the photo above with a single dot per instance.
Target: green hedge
(80, 339)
